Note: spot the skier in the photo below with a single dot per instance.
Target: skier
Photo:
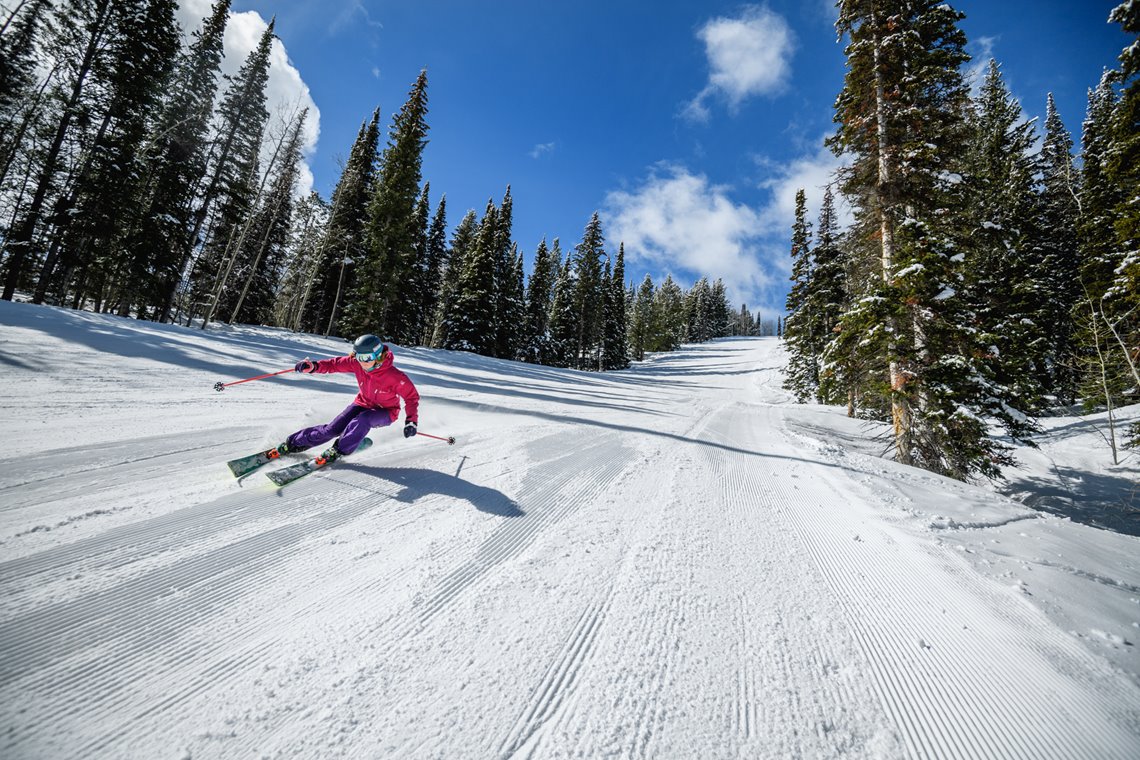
(377, 405)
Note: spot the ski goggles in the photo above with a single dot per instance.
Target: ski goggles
(375, 356)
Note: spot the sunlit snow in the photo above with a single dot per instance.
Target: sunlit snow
(673, 561)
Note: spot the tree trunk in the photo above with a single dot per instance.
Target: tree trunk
(900, 406)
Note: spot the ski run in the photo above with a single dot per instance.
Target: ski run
(673, 561)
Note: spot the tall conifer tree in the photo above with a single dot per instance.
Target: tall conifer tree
(802, 376)
(1060, 259)
(343, 244)
(393, 227)
(901, 119)
(78, 42)
(177, 161)
(234, 184)
(589, 295)
(1003, 284)
(462, 242)
(472, 322)
(535, 346)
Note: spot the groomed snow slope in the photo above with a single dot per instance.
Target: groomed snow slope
(673, 561)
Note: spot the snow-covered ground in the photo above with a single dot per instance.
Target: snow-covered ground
(673, 561)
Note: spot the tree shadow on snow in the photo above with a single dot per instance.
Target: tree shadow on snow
(415, 482)
(1104, 501)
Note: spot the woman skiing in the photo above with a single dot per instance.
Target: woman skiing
(377, 405)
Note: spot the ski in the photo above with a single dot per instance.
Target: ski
(288, 474)
(245, 465)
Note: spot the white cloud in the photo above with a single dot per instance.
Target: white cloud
(981, 51)
(812, 172)
(286, 91)
(747, 56)
(541, 149)
(679, 223)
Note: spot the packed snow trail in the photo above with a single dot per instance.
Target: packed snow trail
(658, 563)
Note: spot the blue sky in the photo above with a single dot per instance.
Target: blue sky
(688, 125)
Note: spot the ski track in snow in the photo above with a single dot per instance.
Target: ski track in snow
(690, 577)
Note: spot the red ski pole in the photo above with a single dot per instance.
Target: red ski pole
(450, 439)
(218, 386)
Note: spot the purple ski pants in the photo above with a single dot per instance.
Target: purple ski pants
(351, 425)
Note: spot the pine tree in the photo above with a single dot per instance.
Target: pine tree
(262, 256)
(437, 261)
(471, 325)
(669, 318)
(1003, 282)
(20, 99)
(86, 250)
(535, 346)
(901, 119)
(564, 315)
(506, 330)
(616, 351)
(697, 327)
(720, 312)
(462, 242)
(589, 295)
(302, 257)
(233, 188)
(827, 295)
(641, 325)
(512, 295)
(802, 376)
(77, 43)
(177, 162)
(1121, 303)
(1060, 261)
(343, 244)
(1104, 375)
(407, 318)
(392, 227)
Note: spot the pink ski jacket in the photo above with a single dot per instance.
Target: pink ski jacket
(381, 388)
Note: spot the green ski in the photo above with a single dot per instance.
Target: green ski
(288, 474)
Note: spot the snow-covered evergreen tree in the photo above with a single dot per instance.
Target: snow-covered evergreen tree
(177, 162)
(235, 180)
(1059, 266)
(462, 243)
(436, 267)
(344, 241)
(1003, 281)
(641, 321)
(261, 259)
(803, 345)
(535, 346)
(901, 116)
(564, 316)
(669, 317)
(471, 325)
(589, 295)
(393, 227)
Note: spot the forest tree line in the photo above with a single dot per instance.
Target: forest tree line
(137, 179)
(987, 276)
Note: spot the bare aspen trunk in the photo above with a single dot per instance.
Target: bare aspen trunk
(900, 407)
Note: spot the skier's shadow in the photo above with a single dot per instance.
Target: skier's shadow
(415, 482)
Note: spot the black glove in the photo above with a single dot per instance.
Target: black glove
(306, 365)
(409, 429)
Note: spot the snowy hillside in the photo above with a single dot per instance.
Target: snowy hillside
(668, 562)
